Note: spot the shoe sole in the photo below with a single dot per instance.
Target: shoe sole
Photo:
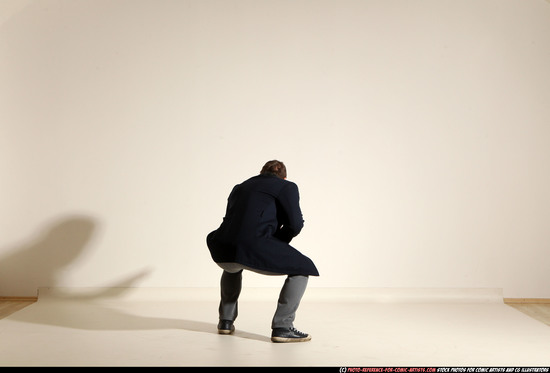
(290, 340)
(225, 331)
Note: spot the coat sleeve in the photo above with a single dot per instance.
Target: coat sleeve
(288, 205)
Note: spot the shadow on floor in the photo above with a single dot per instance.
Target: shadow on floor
(89, 315)
(40, 262)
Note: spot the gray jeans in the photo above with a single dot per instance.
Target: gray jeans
(287, 304)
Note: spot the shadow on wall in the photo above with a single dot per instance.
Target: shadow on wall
(41, 262)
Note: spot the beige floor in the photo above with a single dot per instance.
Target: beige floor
(7, 306)
(158, 330)
(538, 311)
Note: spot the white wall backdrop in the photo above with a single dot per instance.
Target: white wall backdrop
(417, 131)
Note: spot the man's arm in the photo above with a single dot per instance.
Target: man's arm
(289, 202)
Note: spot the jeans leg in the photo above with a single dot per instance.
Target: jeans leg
(289, 300)
(230, 286)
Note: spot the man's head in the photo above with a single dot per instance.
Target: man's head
(276, 168)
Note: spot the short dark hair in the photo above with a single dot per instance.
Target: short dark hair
(274, 167)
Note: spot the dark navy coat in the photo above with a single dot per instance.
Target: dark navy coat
(262, 216)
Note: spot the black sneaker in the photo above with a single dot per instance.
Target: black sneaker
(226, 327)
(283, 335)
